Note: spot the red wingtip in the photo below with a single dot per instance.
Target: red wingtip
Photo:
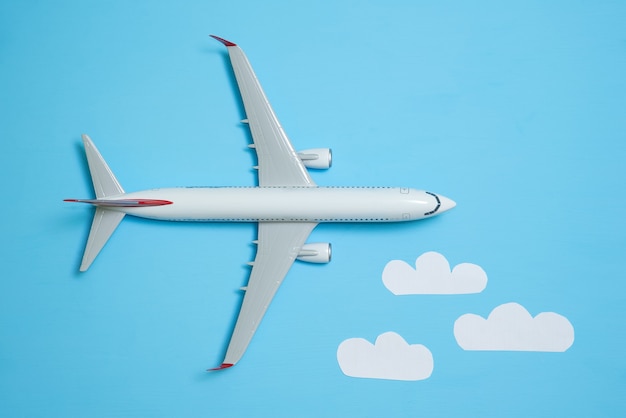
(222, 40)
(222, 367)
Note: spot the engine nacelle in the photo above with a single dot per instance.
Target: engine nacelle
(315, 252)
(320, 158)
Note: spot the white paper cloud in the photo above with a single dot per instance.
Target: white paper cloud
(391, 357)
(510, 327)
(432, 276)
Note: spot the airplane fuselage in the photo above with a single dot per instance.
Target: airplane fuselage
(288, 204)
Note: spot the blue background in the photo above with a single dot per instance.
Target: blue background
(513, 109)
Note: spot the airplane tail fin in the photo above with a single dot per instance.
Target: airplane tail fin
(105, 219)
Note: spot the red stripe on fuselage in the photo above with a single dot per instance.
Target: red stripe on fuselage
(123, 203)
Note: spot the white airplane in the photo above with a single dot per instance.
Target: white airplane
(287, 205)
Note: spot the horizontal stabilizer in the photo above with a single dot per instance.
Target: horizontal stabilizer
(104, 182)
(106, 218)
(104, 223)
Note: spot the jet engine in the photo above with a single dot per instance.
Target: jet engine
(320, 158)
(316, 252)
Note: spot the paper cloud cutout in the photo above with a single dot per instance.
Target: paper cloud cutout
(432, 276)
(510, 327)
(391, 357)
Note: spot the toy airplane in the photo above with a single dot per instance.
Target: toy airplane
(287, 205)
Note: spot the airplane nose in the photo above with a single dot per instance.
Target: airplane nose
(446, 204)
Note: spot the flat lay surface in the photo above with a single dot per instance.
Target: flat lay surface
(510, 304)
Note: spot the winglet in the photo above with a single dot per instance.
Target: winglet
(224, 41)
(222, 367)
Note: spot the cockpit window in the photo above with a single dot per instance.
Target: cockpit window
(436, 207)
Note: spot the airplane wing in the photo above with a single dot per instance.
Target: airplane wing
(278, 246)
(279, 164)
(279, 243)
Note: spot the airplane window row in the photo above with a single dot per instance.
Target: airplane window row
(285, 187)
(285, 220)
